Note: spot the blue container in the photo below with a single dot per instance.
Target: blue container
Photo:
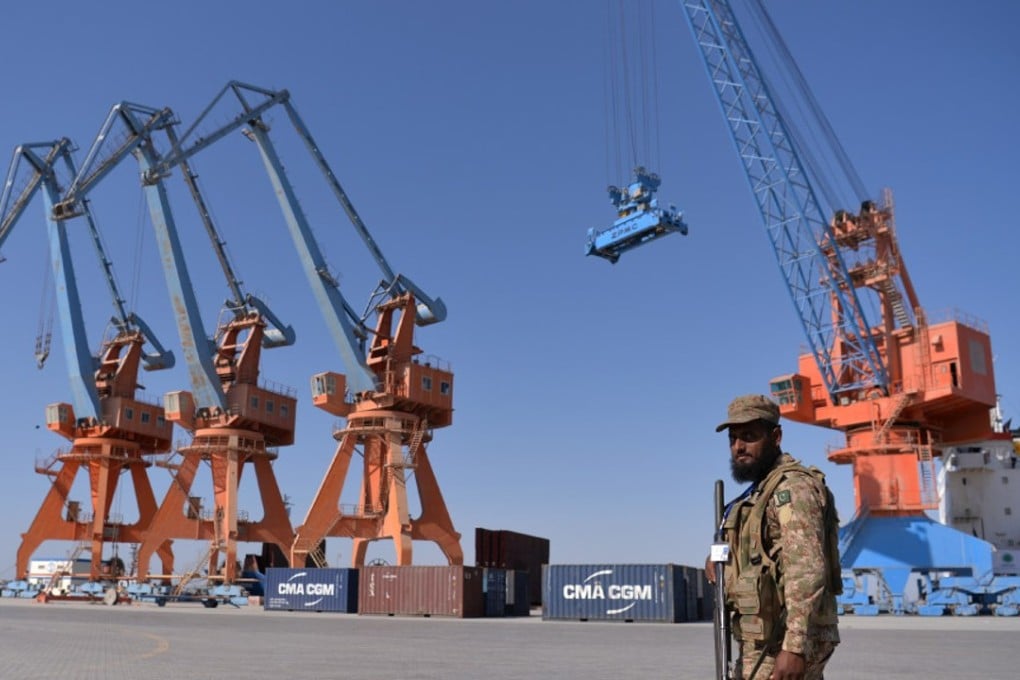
(494, 592)
(314, 590)
(614, 592)
(518, 592)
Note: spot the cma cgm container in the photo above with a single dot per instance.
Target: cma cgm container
(422, 591)
(616, 592)
(316, 590)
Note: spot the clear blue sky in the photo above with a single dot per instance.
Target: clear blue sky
(471, 138)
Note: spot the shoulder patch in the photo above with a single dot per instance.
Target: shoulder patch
(782, 497)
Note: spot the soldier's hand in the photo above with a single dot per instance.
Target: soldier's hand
(710, 570)
(789, 666)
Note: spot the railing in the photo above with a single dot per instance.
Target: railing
(278, 388)
(954, 314)
(349, 510)
(208, 443)
(433, 361)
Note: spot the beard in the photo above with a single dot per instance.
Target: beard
(756, 470)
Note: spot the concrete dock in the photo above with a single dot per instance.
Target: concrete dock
(184, 641)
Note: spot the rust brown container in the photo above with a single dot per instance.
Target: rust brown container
(422, 591)
(505, 549)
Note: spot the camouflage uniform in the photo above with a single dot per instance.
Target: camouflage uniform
(791, 573)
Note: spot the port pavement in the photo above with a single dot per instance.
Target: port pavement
(182, 641)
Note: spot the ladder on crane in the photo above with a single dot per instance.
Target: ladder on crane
(882, 430)
(899, 306)
(926, 477)
(215, 546)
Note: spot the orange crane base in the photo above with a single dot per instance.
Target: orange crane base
(392, 444)
(104, 459)
(180, 516)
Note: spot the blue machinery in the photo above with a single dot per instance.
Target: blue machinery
(892, 563)
(640, 220)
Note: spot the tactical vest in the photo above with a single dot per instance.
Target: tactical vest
(754, 588)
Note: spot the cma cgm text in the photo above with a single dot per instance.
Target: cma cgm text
(306, 589)
(594, 591)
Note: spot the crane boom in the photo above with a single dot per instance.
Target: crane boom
(324, 285)
(348, 328)
(142, 123)
(816, 276)
(79, 360)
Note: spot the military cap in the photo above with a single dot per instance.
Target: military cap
(749, 408)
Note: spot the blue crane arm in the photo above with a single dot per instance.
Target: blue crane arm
(159, 359)
(140, 123)
(81, 364)
(100, 161)
(43, 175)
(276, 334)
(816, 276)
(197, 347)
(42, 167)
(429, 309)
(347, 330)
(346, 326)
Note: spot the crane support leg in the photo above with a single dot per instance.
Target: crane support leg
(227, 451)
(49, 524)
(275, 526)
(225, 480)
(324, 512)
(104, 459)
(393, 448)
(169, 520)
(434, 524)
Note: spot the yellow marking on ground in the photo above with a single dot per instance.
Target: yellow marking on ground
(162, 645)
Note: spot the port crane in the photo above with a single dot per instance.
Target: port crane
(110, 428)
(235, 419)
(901, 387)
(392, 396)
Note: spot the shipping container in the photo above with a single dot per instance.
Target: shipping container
(505, 549)
(518, 594)
(506, 592)
(706, 597)
(615, 592)
(422, 591)
(690, 600)
(494, 584)
(316, 590)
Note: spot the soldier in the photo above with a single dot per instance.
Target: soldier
(782, 576)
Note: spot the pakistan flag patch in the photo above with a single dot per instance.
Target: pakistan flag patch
(782, 497)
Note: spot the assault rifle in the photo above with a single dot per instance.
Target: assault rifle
(719, 556)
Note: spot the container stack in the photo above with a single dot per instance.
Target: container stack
(504, 549)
